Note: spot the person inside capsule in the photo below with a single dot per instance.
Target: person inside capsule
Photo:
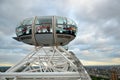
(43, 25)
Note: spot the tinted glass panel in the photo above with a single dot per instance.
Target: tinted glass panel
(28, 21)
(65, 26)
(61, 20)
(24, 30)
(44, 25)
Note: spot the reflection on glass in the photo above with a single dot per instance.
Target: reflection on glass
(43, 28)
(44, 25)
(65, 26)
(23, 30)
(28, 21)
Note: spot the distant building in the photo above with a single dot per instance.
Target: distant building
(114, 75)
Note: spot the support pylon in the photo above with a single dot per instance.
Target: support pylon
(48, 63)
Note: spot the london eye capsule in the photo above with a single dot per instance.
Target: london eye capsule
(46, 31)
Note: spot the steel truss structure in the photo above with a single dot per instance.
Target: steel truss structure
(47, 63)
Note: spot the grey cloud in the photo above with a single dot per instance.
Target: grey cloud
(97, 10)
(98, 24)
(10, 58)
(111, 29)
(107, 9)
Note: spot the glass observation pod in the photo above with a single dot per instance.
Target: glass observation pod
(46, 31)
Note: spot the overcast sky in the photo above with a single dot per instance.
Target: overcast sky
(98, 37)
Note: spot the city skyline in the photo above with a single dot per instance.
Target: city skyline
(97, 41)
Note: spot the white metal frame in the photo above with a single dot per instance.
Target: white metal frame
(51, 61)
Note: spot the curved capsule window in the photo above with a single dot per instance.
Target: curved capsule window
(24, 30)
(65, 26)
(71, 27)
(25, 27)
(28, 21)
(43, 25)
(19, 31)
(61, 24)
